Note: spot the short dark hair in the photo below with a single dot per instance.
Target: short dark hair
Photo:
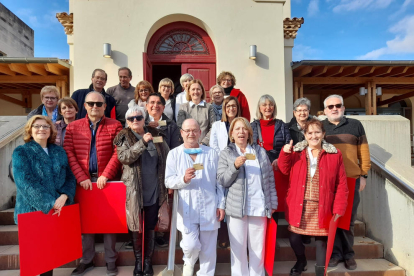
(315, 122)
(99, 70)
(125, 68)
(159, 96)
(68, 101)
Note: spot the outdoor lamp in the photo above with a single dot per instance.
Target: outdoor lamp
(107, 50)
(379, 91)
(362, 91)
(253, 50)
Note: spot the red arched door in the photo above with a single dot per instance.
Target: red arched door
(178, 48)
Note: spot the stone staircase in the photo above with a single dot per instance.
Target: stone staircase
(369, 255)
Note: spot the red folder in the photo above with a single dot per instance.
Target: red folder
(47, 242)
(345, 220)
(270, 246)
(103, 211)
(333, 225)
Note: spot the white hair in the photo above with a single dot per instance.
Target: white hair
(185, 77)
(135, 109)
(302, 101)
(333, 96)
(263, 100)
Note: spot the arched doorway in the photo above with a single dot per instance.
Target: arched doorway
(178, 48)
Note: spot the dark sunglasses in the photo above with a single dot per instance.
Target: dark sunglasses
(138, 118)
(91, 104)
(330, 107)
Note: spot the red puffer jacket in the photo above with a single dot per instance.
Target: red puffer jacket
(78, 142)
(244, 105)
(333, 188)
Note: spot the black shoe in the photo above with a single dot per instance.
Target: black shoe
(299, 267)
(306, 239)
(82, 268)
(350, 264)
(333, 262)
(111, 269)
(137, 248)
(320, 270)
(149, 244)
(128, 245)
(161, 242)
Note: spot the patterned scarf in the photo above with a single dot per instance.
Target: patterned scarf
(218, 109)
(54, 114)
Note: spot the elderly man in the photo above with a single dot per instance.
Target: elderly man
(99, 78)
(123, 93)
(89, 143)
(191, 169)
(348, 135)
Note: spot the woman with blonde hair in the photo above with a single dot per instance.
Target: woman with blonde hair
(198, 109)
(50, 97)
(166, 89)
(142, 91)
(182, 97)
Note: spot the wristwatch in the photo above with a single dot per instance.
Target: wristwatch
(364, 176)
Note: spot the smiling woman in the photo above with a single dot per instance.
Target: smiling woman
(50, 97)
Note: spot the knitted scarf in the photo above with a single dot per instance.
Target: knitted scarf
(218, 110)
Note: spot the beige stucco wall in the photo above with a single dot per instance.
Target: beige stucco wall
(233, 26)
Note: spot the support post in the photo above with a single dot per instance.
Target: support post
(296, 92)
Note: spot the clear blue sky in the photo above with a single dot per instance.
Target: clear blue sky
(333, 29)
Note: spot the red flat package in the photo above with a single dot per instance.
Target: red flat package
(47, 242)
(102, 211)
(270, 246)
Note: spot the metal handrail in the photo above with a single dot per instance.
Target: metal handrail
(401, 184)
(171, 269)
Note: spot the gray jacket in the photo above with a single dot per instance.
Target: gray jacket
(235, 180)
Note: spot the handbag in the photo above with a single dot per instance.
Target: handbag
(164, 216)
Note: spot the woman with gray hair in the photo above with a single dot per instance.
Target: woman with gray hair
(217, 98)
(182, 97)
(301, 109)
(143, 153)
(272, 134)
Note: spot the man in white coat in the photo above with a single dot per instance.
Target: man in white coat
(191, 169)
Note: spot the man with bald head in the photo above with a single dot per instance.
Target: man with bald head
(192, 169)
(89, 143)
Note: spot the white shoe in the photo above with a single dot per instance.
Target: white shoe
(188, 270)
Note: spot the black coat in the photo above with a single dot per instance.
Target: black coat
(79, 97)
(296, 134)
(39, 111)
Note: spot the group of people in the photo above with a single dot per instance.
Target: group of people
(229, 173)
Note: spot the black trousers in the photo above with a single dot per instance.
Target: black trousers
(344, 239)
(299, 248)
(151, 216)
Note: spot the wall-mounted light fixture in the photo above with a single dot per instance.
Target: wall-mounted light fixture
(253, 51)
(363, 91)
(107, 50)
(379, 91)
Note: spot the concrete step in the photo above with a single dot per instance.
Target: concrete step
(379, 267)
(9, 235)
(365, 248)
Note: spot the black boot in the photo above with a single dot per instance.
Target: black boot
(319, 270)
(137, 247)
(300, 266)
(149, 244)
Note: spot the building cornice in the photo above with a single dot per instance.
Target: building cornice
(67, 21)
(271, 1)
(291, 26)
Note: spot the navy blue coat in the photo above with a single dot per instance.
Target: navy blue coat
(79, 97)
(41, 178)
(281, 137)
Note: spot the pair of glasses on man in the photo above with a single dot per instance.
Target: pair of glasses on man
(138, 118)
(98, 104)
(41, 126)
(330, 107)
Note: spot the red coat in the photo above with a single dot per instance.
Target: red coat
(333, 187)
(244, 105)
(78, 142)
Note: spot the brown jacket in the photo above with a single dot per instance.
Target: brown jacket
(129, 154)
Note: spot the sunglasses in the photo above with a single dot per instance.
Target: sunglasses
(330, 107)
(138, 118)
(98, 104)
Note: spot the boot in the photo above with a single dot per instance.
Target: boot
(319, 270)
(300, 266)
(137, 247)
(149, 244)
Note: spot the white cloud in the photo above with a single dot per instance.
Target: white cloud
(302, 52)
(402, 9)
(401, 44)
(353, 5)
(313, 7)
(45, 21)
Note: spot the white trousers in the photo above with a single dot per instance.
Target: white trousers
(200, 245)
(247, 233)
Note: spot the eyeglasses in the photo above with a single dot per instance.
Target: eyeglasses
(41, 126)
(330, 107)
(138, 118)
(100, 78)
(91, 104)
(155, 103)
(50, 98)
(302, 111)
(166, 86)
(231, 106)
(188, 131)
(143, 90)
(226, 80)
